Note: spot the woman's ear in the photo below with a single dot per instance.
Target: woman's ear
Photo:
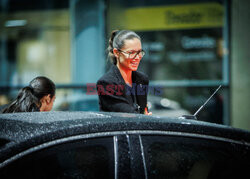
(46, 99)
(116, 52)
(47, 103)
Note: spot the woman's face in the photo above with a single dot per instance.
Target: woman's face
(129, 57)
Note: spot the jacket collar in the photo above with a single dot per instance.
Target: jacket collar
(119, 75)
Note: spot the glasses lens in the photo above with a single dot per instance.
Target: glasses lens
(134, 54)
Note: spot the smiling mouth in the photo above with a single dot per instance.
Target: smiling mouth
(134, 63)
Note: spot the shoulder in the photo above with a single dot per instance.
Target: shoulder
(108, 77)
(141, 77)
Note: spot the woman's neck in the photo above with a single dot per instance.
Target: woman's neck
(126, 74)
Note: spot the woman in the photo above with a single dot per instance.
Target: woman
(38, 96)
(123, 88)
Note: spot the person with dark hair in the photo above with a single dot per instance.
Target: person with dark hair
(38, 96)
(123, 88)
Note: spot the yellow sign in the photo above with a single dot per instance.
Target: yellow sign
(202, 15)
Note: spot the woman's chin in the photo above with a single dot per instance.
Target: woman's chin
(133, 68)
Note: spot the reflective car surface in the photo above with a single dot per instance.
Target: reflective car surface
(119, 145)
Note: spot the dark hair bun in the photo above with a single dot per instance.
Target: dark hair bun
(113, 34)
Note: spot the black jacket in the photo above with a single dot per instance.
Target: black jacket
(114, 96)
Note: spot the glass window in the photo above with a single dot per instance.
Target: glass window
(183, 54)
(183, 157)
(89, 158)
(35, 40)
(59, 39)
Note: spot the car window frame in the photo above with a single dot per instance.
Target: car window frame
(116, 134)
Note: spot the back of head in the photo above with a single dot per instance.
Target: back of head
(117, 40)
(42, 86)
(28, 98)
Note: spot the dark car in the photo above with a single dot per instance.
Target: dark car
(119, 145)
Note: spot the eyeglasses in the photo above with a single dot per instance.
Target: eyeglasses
(132, 55)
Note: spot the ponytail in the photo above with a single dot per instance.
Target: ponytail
(26, 101)
(110, 47)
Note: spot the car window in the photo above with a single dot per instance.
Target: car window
(87, 158)
(185, 157)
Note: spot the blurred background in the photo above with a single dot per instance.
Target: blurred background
(192, 47)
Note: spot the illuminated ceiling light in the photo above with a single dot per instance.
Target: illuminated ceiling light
(15, 23)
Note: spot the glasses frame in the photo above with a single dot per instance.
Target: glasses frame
(130, 53)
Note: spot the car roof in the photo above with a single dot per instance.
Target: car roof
(23, 131)
(21, 126)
